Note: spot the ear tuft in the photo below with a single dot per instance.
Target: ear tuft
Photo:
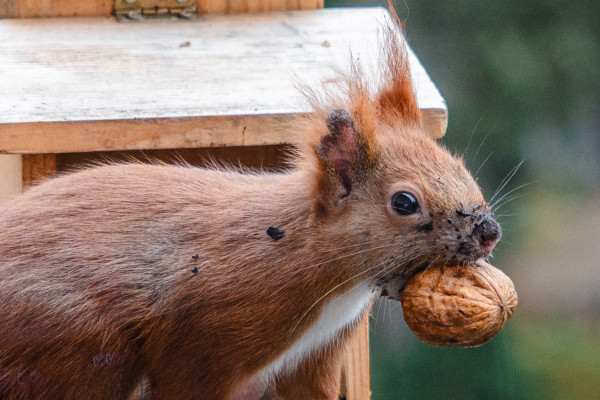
(340, 146)
(396, 97)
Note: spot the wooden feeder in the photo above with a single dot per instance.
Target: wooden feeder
(174, 78)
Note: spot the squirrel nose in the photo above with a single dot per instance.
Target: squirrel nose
(487, 232)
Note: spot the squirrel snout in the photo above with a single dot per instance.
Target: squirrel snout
(488, 232)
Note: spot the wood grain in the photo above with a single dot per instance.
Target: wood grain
(37, 167)
(254, 6)
(54, 8)
(96, 70)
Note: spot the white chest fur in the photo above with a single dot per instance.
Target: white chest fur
(335, 315)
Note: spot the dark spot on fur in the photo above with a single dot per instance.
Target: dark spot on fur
(320, 210)
(230, 240)
(425, 227)
(196, 256)
(446, 247)
(465, 248)
(275, 233)
(449, 221)
(384, 293)
(459, 236)
(463, 213)
(457, 230)
(103, 360)
(194, 270)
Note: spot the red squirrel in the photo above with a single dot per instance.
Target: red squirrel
(210, 283)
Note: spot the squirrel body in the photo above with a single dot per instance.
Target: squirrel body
(117, 284)
(212, 283)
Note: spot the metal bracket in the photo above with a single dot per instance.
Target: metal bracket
(141, 10)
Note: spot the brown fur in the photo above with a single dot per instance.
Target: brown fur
(96, 281)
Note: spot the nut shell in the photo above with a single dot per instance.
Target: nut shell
(458, 306)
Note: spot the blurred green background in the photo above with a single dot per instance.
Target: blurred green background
(522, 83)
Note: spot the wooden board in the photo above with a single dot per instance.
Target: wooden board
(97, 8)
(54, 8)
(123, 84)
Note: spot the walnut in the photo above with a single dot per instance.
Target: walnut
(458, 306)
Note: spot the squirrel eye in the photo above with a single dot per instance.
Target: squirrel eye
(405, 203)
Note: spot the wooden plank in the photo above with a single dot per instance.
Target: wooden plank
(98, 8)
(55, 8)
(37, 167)
(162, 133)
(90, 70)
(10, 176)
(356, 382)
(254, 6)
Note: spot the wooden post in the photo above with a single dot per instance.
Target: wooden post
(18, 172)
(10, 176)
(356, 377)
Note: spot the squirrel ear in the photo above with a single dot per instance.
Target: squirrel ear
(340, 147)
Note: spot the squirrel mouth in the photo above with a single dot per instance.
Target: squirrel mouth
(391, 284)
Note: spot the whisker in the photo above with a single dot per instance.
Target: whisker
(511, 191)
(508, 201)
(378, 310)
(344, 247)
(394, 265)
(430, 264)
(328, 293)
(473, 132)
(339, 258)
(482, 164)
(481, 145)
(505, 215)
(507, 179)
(374, 278)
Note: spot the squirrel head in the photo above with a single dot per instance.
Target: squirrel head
(383, 184)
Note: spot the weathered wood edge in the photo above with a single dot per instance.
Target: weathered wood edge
(163, 133)
(160, 133)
